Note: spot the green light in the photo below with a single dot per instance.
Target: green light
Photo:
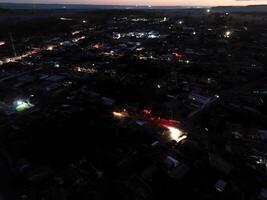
(22, 106)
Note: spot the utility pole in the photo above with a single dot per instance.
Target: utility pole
(12, 44)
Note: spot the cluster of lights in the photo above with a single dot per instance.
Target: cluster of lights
(16, 58)
(2, 43)
(144, 57)
(86, 70)
(139, 35)
(139, 20)
(78, 39)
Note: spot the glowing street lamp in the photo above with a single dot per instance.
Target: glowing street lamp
(50, 48)
(227, 34)
(120, 114)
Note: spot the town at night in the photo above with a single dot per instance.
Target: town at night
(143, 102)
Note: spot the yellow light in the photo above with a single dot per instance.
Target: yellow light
(119, 114)
(50, 48)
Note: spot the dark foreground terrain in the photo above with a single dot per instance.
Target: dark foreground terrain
(133, 104)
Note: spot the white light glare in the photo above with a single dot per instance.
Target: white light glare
(176, 134)
(19, 102)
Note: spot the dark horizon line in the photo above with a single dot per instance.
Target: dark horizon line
(88, 4)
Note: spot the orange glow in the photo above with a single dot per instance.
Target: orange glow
(120, 114)
(96, 46)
